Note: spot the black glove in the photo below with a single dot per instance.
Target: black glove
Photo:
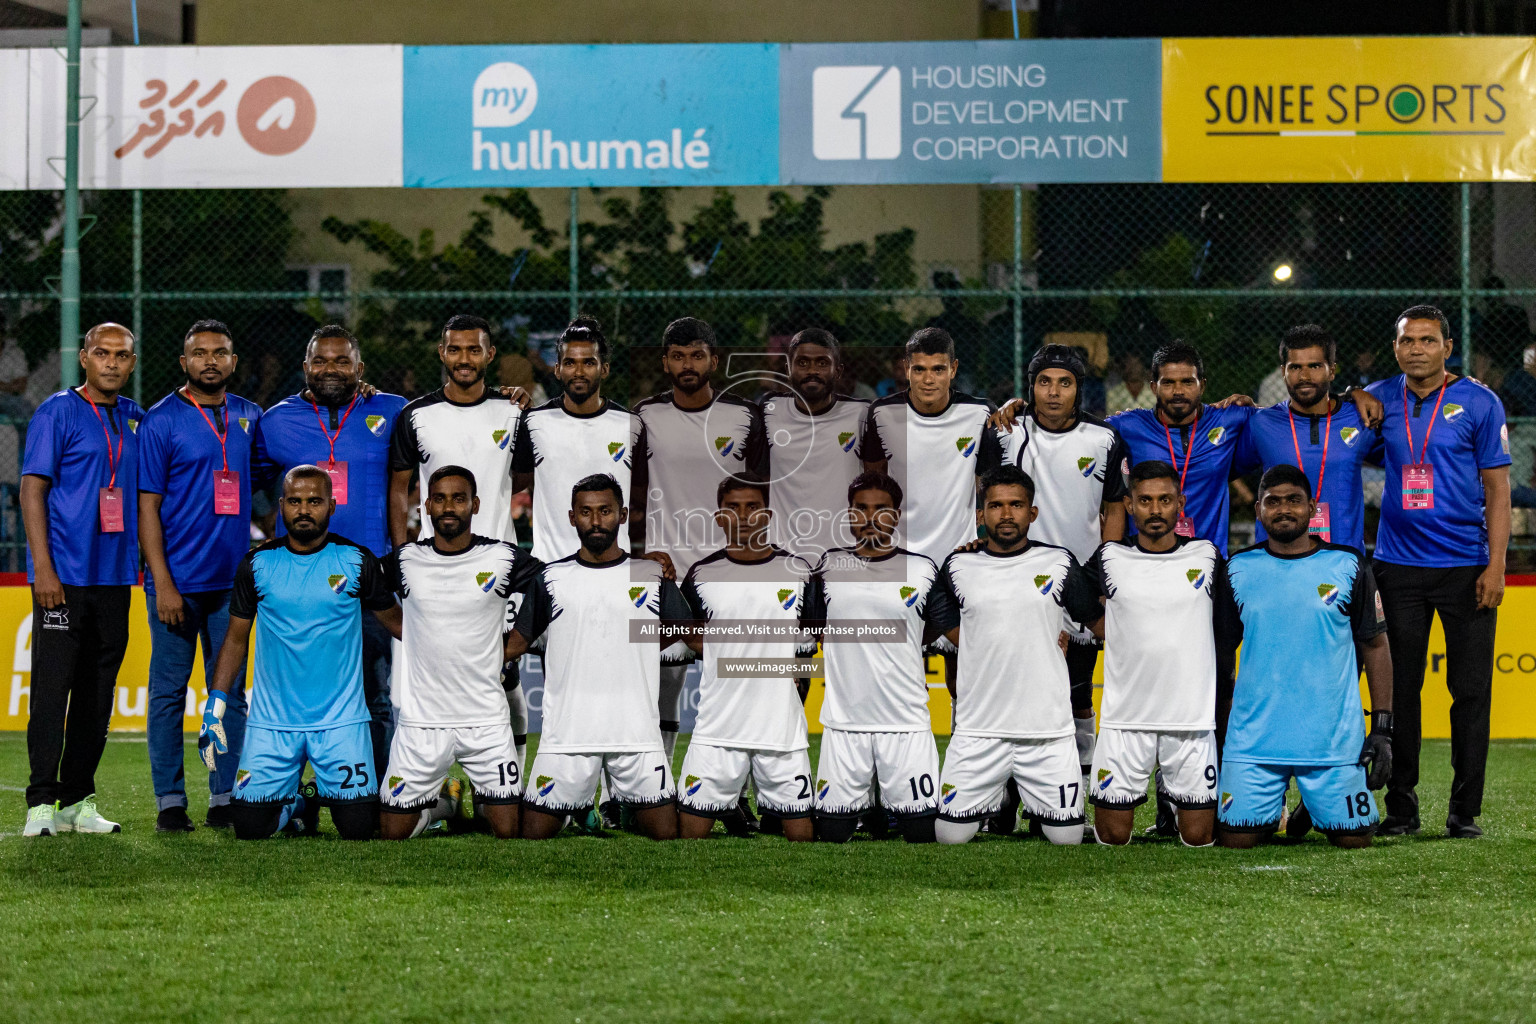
(1376, 754)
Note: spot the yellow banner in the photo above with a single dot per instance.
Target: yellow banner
(1334, 109)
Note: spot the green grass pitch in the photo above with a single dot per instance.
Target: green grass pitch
(143, 927)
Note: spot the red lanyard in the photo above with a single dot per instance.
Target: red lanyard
(332, 440)
(1408, 428)
(1183, 473)
(112, 460)
(223, 435)
(1322, 467)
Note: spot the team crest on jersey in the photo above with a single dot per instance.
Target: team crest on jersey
(616, 450)
(1105, 778)
(638, 596)
(375, 425)
(845, 440)
(133, 425)
(501, 438)
(1086, 465)
(691, 785)
(724, 445)
(485, 581)
(786, 599)
(947, 793)
(245, 423)
(1226, 802)
(1328, 592)
(1215, 435)
(242, 778)
(966, 446)
(396, 786)
(1043, 583)
(1349, 435)
(1196, 578)
(545, 784)
(909, 596)
(822, 789)
(337, 582)
(1451, 411)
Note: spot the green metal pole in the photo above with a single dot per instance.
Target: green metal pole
(69, 271)
(574, 230)
(138, 289)
(1018, 290)
(1466, 278)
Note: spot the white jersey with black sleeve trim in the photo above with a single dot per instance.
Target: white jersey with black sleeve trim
(560, 448)
(433, 431)
(812, 460)
(453, 608)
(1160, 661)
(682, 457)
(600, 684)
(747, 712)
(1011, 610)
(936, 460)
(874, 683)
(1075, 472)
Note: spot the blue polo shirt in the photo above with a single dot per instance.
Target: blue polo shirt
(1212, 445)
(291, 434)
(1268, 442)
(178, 456)
(67, 444)
(1468, 436)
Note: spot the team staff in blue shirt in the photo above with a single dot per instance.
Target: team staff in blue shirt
(79, 478)
(345, 428)
(194, 528)
(1440, 551)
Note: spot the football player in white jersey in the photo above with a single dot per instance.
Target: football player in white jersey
(600, 607)
(748, 726)
(876, 729)
(1005, 606)
(1161, 664)
(453, 589)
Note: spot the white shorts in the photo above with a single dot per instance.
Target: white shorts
(713, 778)
(1124, 758)
(977, 770)
(904, 764)
(419, 760)
(566, 783)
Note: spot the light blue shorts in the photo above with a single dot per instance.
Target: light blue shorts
(272, 764)
(1253, 795)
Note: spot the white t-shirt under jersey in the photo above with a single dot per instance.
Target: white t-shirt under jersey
(560, 448)
(879, 686)
(453, 607)
(433, 431)
(600, 685)
(747, 713)
(1159, 643)
(936, 460)
(812, 460)
(1011, 608)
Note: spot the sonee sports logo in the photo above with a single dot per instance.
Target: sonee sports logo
(856, 112)
(638, 596)
(786, 599)
(1328, 592)
(485, 581)
(337, 582)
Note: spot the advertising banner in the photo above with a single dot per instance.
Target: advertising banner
(982, 111)
(219, 117)
(500, 116)
(1328, 109)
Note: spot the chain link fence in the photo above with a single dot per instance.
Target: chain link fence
(1116, 269)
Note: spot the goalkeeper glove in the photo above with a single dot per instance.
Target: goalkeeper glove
(1376, 754)
(211, 738)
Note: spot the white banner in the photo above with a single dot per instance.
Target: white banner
(13, 119)
(216, 117)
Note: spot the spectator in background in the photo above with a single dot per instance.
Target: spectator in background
(1131, 388)
(848, 383)
(897, 380)
(964, 328)
(1272, 389)
(14, 403)
(516, 370)
(1500, 328)
(1519, 388)
(1365, 370)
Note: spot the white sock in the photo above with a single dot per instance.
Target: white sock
(669, 744)
(955, 833)
(1063, 835)
(517, 712)
(1085, 741)
(445, 807)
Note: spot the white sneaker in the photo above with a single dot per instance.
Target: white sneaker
(82, 817)
(40, 821)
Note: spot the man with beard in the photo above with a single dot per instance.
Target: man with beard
(82, 459)
(600, 609)
(1304, 611)
(194, 527)
(816, 441)
(692, 437)
(454, 588)
(1004, 606)
(1161, 666)
(463, 423)
(306, 593)
(333, 425)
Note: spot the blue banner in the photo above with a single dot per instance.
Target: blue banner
(501, 116)
(1074, 110)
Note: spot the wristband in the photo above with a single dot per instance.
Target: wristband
(222, 700)
(1381, 723)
